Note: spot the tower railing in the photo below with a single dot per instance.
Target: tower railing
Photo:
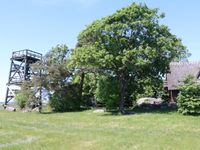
(26, 53)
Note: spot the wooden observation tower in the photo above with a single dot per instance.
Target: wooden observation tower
(20, 70)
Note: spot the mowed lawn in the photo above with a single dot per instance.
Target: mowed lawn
(98, 131)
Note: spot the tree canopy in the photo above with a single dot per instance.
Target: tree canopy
(130, 44)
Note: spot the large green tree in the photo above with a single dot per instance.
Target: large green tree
(130, 44)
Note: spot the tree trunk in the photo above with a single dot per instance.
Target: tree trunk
(95, 101)
(121, 92)
(81, 85)
(40, 100)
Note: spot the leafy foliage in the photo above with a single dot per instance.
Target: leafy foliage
(129, 45)
(189, 96)
(57, 55)
(88, 91)
(150, 87)
(56, 78)
(65, 99)
(27, 97)
(21, 99)
(107, 92)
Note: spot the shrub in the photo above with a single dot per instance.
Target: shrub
(107, 92)
(27, 99)
(146, 92)
(65, 99)
(189, 96)
(21, 99)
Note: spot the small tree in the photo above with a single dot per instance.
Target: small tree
(189, 96)
(56, 79)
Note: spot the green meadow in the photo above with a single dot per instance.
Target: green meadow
(99, 131)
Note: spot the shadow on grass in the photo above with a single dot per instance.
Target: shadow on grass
(141, 111)
(57, 112)
(155, 110)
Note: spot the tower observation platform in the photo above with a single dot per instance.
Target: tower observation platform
(20, 71)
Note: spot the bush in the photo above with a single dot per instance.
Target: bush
(107, 92)
(27, 99)
(21, 99)
(189, 96)
(146, 92)
(65, 99)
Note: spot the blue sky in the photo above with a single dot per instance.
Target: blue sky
(41, 24)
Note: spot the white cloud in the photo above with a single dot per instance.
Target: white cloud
(84, 3)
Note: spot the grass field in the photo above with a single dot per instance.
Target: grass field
(98, 131)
